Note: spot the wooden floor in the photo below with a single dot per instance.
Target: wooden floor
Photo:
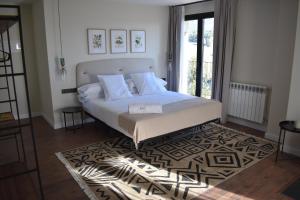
(264, 180)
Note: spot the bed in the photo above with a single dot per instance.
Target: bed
(180, 111)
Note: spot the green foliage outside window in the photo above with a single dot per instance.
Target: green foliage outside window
(206, 80)
(192, 76)
(193, 37)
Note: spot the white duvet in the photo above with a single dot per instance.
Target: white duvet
(108, 111)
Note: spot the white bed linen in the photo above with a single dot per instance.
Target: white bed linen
(108, 111)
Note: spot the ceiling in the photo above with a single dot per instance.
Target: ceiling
(148, 2)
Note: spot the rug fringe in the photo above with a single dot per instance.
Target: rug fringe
(77, 178)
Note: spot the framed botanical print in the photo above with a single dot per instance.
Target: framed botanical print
(138, 41)
(97, 41)
(118, 40)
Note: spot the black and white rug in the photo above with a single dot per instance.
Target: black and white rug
(178, 166)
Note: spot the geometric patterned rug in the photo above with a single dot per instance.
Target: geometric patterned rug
(181, 165)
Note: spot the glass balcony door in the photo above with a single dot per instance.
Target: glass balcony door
(197, 61)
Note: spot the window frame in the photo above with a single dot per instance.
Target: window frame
(200, 17)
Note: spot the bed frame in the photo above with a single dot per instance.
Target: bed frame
(86, 72)
(217, 121)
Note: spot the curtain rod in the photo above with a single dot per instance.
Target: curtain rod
(185, 4)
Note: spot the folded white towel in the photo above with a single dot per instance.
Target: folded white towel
(144, 108)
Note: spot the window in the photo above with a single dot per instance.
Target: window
(197, 72)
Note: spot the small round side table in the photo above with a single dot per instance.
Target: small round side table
(285, 126)
(72, 111)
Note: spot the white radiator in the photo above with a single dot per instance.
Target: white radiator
(247, 101)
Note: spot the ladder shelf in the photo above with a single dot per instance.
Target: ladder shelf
(11, 125)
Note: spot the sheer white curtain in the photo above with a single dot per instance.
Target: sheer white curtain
(183, 79)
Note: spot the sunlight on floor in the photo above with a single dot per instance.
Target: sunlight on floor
(120, 165)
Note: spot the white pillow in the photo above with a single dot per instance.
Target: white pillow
(146, 83)
(131, 86)
(114, 87)
(86, 87)
(91, 91)
(161, 81)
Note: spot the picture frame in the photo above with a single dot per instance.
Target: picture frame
(138, 41)
(96, 41)
(118, 40)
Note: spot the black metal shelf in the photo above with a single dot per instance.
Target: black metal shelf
(12, 74)
(13, 125)
(8, 101)
(2, 66)
(7, 132)
(28, 171)
(11, 128)
(13, 134)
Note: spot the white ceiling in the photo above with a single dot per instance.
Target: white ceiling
(148, 2)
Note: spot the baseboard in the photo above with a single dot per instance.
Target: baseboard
(48, 120)
(287, 148)
(271, 136)
(57, 125)
(260, 127)
(61, 125)
(35, 114)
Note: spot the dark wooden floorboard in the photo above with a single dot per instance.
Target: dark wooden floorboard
(265, 180)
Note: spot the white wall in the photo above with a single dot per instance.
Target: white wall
(42, 61)
(264, 51)
(283, 61)
(76, 17)
(30, 58)
(255, 41)
(293, 112)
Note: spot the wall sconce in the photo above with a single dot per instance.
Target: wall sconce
(63, 70)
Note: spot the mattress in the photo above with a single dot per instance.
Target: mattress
(110, 111)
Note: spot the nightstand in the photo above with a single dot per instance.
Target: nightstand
(73, 111)
(285, 126)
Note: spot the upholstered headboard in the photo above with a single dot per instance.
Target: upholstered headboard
(86, 72)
